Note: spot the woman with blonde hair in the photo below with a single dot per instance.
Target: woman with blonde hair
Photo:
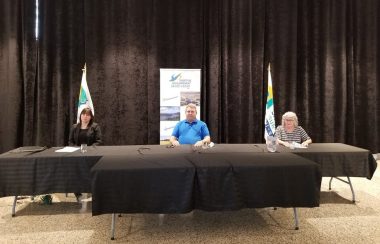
(289, 131)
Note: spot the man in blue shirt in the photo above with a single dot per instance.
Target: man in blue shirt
(190, 130)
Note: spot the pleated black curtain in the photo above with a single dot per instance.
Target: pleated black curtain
(324, 58)
(325, 65)
(59, 69)
(127, 42)
(233, 70)
(17, 68)
(364, 72)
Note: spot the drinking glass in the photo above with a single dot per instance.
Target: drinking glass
(83, 148)
(271, 142)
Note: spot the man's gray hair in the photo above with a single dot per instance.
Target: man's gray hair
(191, 105)
(290, 115)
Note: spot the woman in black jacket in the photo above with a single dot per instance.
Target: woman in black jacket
(86, 131)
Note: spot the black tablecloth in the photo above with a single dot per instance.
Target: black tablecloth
(337, 159)
(142, 183)
(44, 172)
(179, 182)
(28, 173)
(139, 149)
(228, 181)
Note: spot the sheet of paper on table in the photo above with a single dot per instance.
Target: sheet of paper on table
(67, 149)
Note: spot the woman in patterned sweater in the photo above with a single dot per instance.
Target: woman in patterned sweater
(290, 131)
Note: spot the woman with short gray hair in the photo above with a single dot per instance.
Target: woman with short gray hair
(289, 131)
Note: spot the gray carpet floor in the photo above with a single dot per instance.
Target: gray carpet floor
(337, 220)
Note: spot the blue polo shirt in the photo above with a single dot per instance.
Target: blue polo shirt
(190, 133)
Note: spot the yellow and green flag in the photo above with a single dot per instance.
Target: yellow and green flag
(269, 124)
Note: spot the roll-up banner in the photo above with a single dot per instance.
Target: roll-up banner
(178, 87)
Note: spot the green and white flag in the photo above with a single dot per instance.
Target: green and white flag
(85, 100)
(269, 124)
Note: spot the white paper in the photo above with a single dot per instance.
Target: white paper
(67, 149)
(297, 145)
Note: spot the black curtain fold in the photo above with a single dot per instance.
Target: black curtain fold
(235, 77)
(316, 69)
(324, 62)
(131, 41)
(17, 67)
(365, 75)
(59, 71)
(117, 58)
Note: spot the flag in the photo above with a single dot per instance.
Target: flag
(85, 100)
(269, 124)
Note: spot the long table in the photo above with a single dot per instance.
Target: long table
(156, 179)
(180, 182)
(28, 173)
(337, 159)
(23, 173)
(35, 173)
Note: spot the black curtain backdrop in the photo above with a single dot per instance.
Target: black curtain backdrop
(324, 58)
(61, 51)
(17, 69)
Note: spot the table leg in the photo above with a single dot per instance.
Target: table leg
(161, 219)
(347, 182)
(296, 218)
(14, 206)
(113, 227)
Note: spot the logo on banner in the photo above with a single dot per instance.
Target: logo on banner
(175, 77)
(178, 82)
